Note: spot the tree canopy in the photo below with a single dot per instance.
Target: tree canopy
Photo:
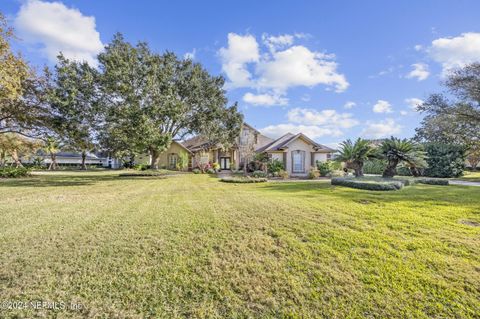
(455, 119)
(148, 99)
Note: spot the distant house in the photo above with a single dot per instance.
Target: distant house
(68, 159)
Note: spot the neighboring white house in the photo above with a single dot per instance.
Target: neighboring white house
(68, 159)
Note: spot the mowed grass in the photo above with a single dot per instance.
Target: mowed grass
(191, 246)
(470, 176)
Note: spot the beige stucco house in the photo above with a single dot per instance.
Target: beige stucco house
(296, 151)
(167, 159)
(204, 152)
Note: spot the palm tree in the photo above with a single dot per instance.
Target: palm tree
(355, 154)
(52, 146)
(397, 151)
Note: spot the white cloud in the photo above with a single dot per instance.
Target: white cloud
(277, 42)
(381, 129)
(403, 113)
(312, 123)
(241, 50)
(298, 66)
(420, 72)
(311, 131)
(454, 52)
(413, 102)
(190, 55)
(57, 28)
(349, 105)
(382, 106)
(284, 66)
(418, 47)
(328, 117)
(264, 99)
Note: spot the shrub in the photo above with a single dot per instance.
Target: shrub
(324, 168)
(432, 181)
(216, 166)
(196, 171)
(373, 185)
(374, 166)
(445, 160)
(259, 174)
(182, 163)
(313, 173)
(140, 167)
(275, 166)
(144, 174)
(210, 171)
(243, 180)
(255, 166)
(283, 174)
(14, 172)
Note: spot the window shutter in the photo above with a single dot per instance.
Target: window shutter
(285, 161)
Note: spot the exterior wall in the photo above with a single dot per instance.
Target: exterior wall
(163, 160)
(320, 157)
(277, 156)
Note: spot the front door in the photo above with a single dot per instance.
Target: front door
(224, 163)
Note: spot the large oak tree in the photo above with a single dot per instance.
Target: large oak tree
(148, 99)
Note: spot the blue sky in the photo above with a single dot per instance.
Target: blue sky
(331, 69)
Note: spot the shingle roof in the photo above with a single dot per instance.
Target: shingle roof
(283, 141)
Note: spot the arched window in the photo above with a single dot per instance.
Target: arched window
(298, 161)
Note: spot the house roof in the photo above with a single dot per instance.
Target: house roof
(90, 156)
(282, 143)
(197, 143)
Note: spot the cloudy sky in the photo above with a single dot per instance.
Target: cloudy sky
(331, 69)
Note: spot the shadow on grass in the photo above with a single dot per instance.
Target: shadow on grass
(74, 180)
(440, 195)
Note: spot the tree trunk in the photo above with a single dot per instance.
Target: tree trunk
(16, 160)
(391, 169)
(83, 167)
(357, 168)
(2, 158)
(415, 172)
(53, 163)
(154, 160)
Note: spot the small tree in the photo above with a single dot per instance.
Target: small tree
(396, 151)
(182, 163)
(52, 146)
(355, 154)
(17, 146)
(473, 155)
(246, 150)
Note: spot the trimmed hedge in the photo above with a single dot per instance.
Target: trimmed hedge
(373, 185)
(14, 172)
(432, 181)
(384, 184)
(143, 174)
(241, 180)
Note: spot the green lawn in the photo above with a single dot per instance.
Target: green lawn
(470, 176)
(191, 246)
